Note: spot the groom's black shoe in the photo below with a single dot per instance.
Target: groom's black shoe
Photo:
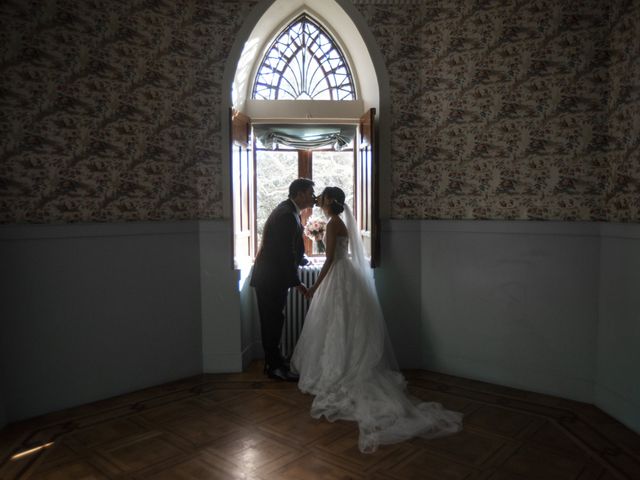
(282, 373)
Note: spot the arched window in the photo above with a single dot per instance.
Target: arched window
(304, 63)
(304, 118)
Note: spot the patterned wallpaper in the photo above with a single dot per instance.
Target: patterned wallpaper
(501, 109)
(506, 109)
(110, 108)
(622, 193)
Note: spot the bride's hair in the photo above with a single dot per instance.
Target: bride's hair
(337, 195)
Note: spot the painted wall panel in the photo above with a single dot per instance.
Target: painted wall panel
(91, 313)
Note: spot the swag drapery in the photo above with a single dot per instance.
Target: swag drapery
(304, 137)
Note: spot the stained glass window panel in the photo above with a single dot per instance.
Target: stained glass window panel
(304, 63)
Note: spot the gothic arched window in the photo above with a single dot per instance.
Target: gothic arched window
(304, 63)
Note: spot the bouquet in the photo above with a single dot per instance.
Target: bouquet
(314, 229)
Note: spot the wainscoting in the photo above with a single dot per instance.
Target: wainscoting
(93, 311)
(96, 310)
(544, 306)
(618, 346)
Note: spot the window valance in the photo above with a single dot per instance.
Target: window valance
(305, 137)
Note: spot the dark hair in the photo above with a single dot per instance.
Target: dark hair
(337, 195)
(299, 185)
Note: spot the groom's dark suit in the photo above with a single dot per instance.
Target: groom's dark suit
(274, 272)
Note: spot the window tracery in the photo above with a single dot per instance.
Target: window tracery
(304, 63)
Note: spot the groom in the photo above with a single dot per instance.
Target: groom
(276, 270)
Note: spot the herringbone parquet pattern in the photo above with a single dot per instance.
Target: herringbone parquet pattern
(244, 426)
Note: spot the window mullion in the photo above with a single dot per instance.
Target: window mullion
(304, 164)
(305, 170)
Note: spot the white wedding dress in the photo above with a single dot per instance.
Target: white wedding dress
(344, 358)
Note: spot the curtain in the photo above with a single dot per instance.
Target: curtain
(305, 137)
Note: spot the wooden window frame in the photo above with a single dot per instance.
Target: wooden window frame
(243, 201)
(244, 196)
(305, 170)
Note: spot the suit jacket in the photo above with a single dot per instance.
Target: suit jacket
(281, 251)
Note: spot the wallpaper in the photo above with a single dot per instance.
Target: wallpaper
(501, 109)
(622, 198)
(110, 108)
(505, 109)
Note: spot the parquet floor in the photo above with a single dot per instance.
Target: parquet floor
(244, 426)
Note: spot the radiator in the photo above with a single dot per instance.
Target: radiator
(295, 310)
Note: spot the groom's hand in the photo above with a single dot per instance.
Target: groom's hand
(302, 289)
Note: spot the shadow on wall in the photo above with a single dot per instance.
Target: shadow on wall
(398, 281)
(249, 318)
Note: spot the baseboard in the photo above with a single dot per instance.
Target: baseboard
(544, 382)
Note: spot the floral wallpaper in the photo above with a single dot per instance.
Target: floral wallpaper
(622, 192)
(501, 109)
(505, 109)
(110, 109)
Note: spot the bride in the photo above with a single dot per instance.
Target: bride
(344, 356)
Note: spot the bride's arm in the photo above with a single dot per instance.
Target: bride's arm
(330, 239)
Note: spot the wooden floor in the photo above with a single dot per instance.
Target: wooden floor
(244, 426)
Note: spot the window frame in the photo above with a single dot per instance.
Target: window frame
(365, 188)
(305, 170)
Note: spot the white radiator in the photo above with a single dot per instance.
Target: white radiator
(296, 309)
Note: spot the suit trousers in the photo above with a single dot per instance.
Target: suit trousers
(271, 303)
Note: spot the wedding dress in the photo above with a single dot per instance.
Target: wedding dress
(344, 358)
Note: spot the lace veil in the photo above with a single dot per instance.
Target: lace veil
(363, 266)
